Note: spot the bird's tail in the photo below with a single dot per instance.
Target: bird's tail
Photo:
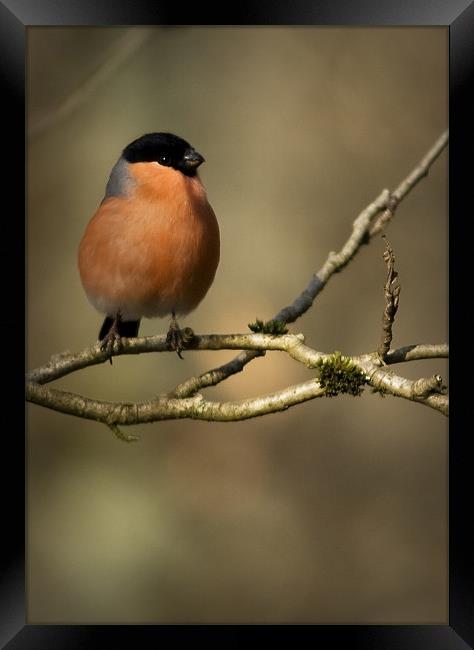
(127, 328)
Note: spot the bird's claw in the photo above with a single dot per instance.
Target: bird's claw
(112, 342)
(174, 339)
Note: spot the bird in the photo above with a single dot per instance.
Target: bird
(152, 248)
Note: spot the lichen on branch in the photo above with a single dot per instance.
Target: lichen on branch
(339, 374)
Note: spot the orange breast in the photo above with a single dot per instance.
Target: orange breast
(153, 252)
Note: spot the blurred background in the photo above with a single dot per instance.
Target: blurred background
(333, 512)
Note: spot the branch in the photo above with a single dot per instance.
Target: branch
(429, 391)
(67, 362)
(166, 408)
(175, 406)
(420, 171)
(64, 364)
(417, 352)
(113, 414)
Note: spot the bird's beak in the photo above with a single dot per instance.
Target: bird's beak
(192, 159)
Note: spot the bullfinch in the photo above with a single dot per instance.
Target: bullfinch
(152, 247)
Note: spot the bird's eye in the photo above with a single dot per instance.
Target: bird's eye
(164, 159)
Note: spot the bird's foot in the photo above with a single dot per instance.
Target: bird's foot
(112, 341)
(174, 338)
(177, 339)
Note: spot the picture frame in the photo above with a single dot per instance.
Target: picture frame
(15, 18)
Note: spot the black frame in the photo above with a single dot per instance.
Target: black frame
(458, 15)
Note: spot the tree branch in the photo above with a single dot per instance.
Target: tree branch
(64, 364)
(420, 171)
(418, 351)
(428, 391)
(113, 414)
(67, 362)
(173, 405)
(166, 408)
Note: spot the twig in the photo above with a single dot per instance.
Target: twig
(418, 351)
(428, 391)
(392, 295)
(420, 171)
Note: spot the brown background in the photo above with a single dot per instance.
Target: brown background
(335, 511)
